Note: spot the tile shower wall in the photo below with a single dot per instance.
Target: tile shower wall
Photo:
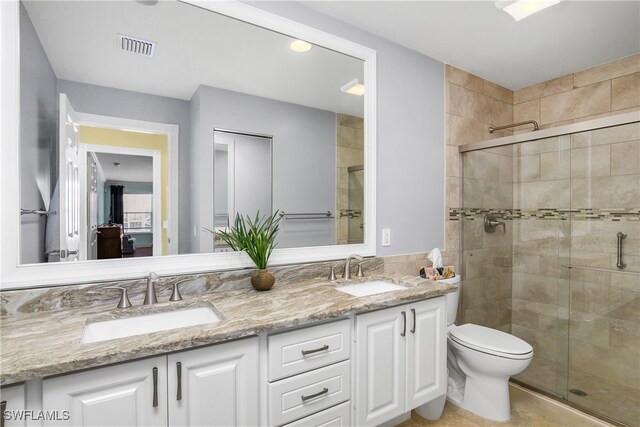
(349, 152)
(472, 105)
(608, 89)
(584, 326)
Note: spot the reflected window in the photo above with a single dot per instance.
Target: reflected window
(138, 213)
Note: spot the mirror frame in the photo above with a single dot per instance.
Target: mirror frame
(14, 275)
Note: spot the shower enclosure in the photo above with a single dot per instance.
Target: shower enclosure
(564, 272)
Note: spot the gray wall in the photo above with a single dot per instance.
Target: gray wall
(133, 105)
(303, 160)
(410, 130)
(38, 147)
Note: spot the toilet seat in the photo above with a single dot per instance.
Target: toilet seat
(491, 341)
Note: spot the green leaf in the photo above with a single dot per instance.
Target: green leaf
(257, 236)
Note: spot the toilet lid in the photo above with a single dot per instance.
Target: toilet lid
(490, 339)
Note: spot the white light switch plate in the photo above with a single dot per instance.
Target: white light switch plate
(386, 237)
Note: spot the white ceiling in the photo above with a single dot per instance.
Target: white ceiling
(194, 46)
(477, 37)
(131, 169)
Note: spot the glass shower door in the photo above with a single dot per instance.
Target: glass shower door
(604, 329)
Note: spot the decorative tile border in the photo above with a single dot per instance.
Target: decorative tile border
(614, 215)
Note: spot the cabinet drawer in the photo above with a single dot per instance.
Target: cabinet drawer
(302, 350)
(336, 416)
(305, 394)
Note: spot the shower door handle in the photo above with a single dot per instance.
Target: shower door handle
(621, 236)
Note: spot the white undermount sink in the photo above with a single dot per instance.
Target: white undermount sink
(369, 288)
(148, 323)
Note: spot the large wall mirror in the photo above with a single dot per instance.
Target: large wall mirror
(146, 126)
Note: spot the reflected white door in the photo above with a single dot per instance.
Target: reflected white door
(69, 182)
(92, 207)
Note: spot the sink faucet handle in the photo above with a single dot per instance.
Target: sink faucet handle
(332, 274)
(175, 294)
(150, 296)
(124, 297)
(360, 273)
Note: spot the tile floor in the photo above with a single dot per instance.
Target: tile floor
(528, 409)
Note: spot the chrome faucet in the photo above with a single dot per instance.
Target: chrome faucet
(347, 267)
(150, 296)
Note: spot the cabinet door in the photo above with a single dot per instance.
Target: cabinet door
(426, 351)
(380, 359)
(215, 386)
(129, 394)
(13, 400)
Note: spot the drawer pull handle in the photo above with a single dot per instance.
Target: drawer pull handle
(155, 387)
(413, 330)
(318, 394)
(404, 323)
(179, 369)
(315, 350)
(3, 407)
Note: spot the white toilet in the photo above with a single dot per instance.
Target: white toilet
(480, 361)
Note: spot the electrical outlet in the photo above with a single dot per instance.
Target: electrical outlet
(386, 237)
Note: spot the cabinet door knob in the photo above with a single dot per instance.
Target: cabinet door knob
(413, 330)
(179, 369)
(404, 324)
(155, 387)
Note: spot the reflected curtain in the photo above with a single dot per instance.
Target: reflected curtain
(116, 215)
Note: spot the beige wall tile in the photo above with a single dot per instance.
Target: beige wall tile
(346, 137)
(625, 92)
(453, 161)
(459, 100)
(452, 235)
(472, 196)
(464, 79)
(542, 194)
(461, 131)
(498, 92)
(607, 114)
(625, 158)
(614, 365)
(481, 165)
(506, 169)
(605, 192)
(610, 70)
(550, 87)
(473, 233)
(591, 161)
(526, 168)
(600, 237)
(453, 191)
(555, 165)
(350, 121)
(543, 145)
(529, 110)
(623, 133)
(589, 100)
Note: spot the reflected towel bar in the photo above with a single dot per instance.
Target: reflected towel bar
(605, 270)
(309, 215)
(36, 212)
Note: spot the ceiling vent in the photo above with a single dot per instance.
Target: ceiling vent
(135, 45)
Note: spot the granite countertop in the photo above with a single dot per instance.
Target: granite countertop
(42, 344)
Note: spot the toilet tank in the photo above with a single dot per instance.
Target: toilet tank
(452, 299)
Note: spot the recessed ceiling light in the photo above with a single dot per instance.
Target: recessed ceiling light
(520, 9)
(300, 46)
(354, 87)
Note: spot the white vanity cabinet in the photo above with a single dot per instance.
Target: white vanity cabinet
(218, 386)
(309, 374)
(13, 399)
(215, 386)
(400, 360)
(129, 394)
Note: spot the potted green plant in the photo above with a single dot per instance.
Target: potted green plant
(257, 237)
